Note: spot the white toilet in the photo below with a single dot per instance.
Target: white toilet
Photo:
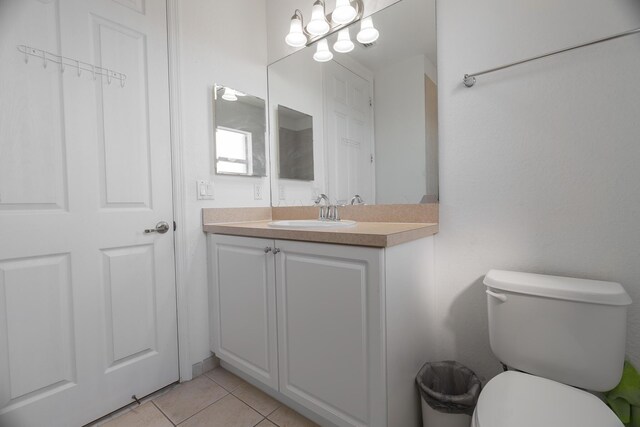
(566, 334)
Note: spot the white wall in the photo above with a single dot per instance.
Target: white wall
(400, 132)
(296, 83)
(539, 165)
(279, 15)
(220, 42)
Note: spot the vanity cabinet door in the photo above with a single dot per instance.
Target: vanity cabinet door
(330, 330)
(243, 305)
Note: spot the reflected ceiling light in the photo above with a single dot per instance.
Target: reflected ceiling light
(318, 26)
(323, 54)
(296, 37)
(367, 33)
(344, 43)
(229, 94)
(344, 12)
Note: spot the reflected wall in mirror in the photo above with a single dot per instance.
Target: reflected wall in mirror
(374, 113)
(239, 133)
(295, 144)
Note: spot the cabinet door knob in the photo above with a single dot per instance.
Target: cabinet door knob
(276, 250)
(267, 249)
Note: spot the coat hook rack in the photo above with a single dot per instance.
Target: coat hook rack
(78, 65)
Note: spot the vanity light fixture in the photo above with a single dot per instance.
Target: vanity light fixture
(344, 12)
(368, 33)
(318, 26)
(229, 94)
(323, 54)
(344, 43)
(321, 24)
(296, 37)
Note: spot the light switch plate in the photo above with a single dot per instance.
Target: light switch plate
(204, 190)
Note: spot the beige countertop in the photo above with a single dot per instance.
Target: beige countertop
(375, 234)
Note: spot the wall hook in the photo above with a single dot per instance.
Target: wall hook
(71, 63)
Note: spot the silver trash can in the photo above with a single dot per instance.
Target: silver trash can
(449, 392)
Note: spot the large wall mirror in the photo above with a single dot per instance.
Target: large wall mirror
(239, 142)
(364, 122)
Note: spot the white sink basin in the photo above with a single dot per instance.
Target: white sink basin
(311, 223)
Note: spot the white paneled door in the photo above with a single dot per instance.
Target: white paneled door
(87, 299)
(349, 127)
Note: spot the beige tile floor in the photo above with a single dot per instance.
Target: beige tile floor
(216, 399)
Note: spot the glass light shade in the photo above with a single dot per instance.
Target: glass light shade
(323, 54)
(296, 37)
(229, 94)
(344, 43)
(318, 25)
(344, 12)
(367, 33)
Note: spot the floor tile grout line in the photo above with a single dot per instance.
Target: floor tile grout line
(228, 394)
(162, 412)
(212, 403)
(280, 405)
(223, 387)
(263, 418)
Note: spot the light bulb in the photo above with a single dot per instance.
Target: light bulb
(323, 54)
(229, 94)
(344, 12)
(318, 25)
(367, 33)
(344, 43)
(296, 37)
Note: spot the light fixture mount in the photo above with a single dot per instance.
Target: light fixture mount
(358, 5)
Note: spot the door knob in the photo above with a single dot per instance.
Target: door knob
(161, 227)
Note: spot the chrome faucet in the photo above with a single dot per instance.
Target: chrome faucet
(324, 210)
(357, 200)
(332, 213)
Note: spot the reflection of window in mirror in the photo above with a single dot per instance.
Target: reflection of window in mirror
(240, 132)
(233, 151)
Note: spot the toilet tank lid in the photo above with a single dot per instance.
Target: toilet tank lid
(557, 287)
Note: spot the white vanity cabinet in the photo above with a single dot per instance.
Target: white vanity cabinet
(348, 325)
(242, 298)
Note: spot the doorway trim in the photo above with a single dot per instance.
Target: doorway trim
(179, 202)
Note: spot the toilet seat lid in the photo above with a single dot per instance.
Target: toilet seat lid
(523, 400)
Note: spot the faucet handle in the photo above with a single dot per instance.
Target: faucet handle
(357, 200)
(323, 213)
(332, 213)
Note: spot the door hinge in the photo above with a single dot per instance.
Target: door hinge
(372, 158)
(370, 102)
(174, 226)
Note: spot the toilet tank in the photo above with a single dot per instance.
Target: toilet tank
(569, 330)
